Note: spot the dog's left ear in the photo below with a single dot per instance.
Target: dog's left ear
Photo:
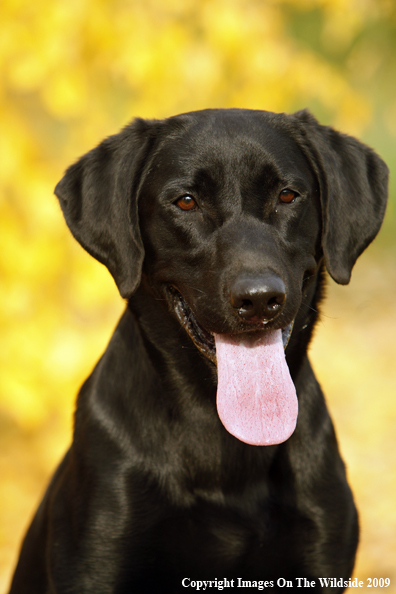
(354, 187)
(98, 196)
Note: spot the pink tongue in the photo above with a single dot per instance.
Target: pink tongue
(256, 398)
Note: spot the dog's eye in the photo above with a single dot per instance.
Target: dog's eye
(287, 196)
(186, 202)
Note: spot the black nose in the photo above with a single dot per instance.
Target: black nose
(258, 298)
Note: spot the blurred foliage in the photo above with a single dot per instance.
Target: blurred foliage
(73, 72)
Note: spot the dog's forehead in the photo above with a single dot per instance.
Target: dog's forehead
(229, 139)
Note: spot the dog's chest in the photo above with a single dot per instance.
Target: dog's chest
(208, 540)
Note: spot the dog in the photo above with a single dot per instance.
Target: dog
(203, 454)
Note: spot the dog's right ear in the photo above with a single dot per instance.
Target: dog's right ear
(353, 182)
(98, 197)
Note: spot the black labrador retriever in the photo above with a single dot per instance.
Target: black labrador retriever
(189, 468)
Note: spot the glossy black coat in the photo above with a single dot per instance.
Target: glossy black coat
(153, 488)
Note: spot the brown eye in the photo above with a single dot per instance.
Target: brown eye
(287, 196)
(186, 202)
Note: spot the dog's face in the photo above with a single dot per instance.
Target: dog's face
(226, 215)
(231, 225)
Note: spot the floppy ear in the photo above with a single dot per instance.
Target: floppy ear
(353, 185)
(98, 197)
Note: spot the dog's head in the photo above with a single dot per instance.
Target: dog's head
(227, 214)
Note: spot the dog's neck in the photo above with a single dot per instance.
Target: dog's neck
(172, 424)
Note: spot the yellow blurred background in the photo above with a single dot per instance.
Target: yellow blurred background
(74, 72)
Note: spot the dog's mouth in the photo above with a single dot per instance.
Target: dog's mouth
(256, 397)
(203, 339)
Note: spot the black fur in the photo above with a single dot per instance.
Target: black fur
(153, 488)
